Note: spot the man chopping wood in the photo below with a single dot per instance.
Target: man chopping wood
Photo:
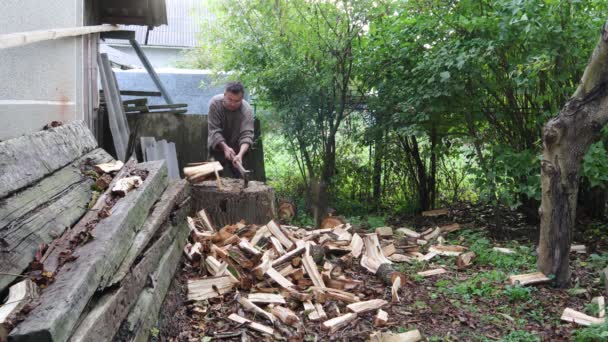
(230, 127)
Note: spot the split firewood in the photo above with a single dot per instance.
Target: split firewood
(285, 315)
(464, 260)
(374, 261)
(315, 312)
(219, 252)
(278, 278)
(201, 289)
(251, 307)
(267, 298)
(400, 258)
(384, 232)
(199, 172)
(427, 232)
(368, 305)
(436, 212)
(573, 316)
(356, 245)
(277, 245)
(449, 228)
(339, 322)
(204, 218)
(262, 232)
(215, 267)
(252, 325)
(19, 295)
(503, 250)
(447, 250)
(578, 249)
(311, 269)
(124, 185)
(601, 305)
(389, 250)
(433, 272)
(195, 253)
(300, 248)
(432, 235)
(109, 167)
(279, 234)
(408, 232)
(410, 336)
(288, 270)
(421, 242)
(381, 318)
(224, 234)
(395, 289)
(336, 294)
(528, 279)
(331, 222)
(247, 247)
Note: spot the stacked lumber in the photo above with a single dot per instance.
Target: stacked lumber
(284, 277)
(122, 232)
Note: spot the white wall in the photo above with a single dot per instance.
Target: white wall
(159, 56)
(40, 82)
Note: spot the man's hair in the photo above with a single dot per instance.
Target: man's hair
(235, 88)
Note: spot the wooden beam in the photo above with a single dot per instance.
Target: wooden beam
(23, 38)
(150, 69)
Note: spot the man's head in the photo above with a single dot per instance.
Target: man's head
(233, 95)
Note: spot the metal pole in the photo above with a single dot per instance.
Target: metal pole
(144, 60)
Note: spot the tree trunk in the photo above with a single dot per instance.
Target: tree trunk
(566, 139)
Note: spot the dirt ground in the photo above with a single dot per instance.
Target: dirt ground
(475, 304)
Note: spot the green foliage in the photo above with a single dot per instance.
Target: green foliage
(521, 261)
(595, 165)
(594, 333)
(520, 336)
(485, 285)
(518, 293)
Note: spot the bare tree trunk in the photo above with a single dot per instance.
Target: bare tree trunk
(566, 139)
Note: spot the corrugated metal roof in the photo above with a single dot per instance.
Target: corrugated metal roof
(184, 18)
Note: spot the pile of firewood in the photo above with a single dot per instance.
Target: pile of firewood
(91, 243)
(285, 277)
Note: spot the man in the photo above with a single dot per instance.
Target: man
(230, 127)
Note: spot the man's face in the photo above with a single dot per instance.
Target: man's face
(232, 101)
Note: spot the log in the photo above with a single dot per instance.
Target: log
(286, 316)
(42, 153)
(144, 313)
(205, 288)
(384, 232)
(251, 307)
(449, 228)
(254, 204)
(200, 171)
(39, 214)
(19, 295)
(175, 194)
(374, 261)
(252, 325)
(267, 298)
(381, 318)
(64, 300)
(339, 322)
(368, 305)
(104, 318)
(528, 279)
(573, 316)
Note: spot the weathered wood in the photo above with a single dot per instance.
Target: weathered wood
(64, 300)
(368, 305)
(573, 316)
(102, 321)
(19, 295)
(175, 193)
(23, 38)
(254, 204)
(109, 167)
(40, 213)
(144, 313)
(266, 298)
(339, 322)
(528, 279)
(250, 324)
(201, 289)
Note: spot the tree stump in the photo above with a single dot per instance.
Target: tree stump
(254, 204)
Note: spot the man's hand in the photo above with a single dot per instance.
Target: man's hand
(228, 152)
(237, 159)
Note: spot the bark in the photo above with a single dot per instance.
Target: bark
(566, 139)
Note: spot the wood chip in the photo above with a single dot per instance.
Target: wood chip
(528, 279)
(252, 325)
(503, 250)
(124, 185)
(381, 318)
(578, 249)
(465, 260)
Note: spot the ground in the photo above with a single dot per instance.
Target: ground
(475, 304)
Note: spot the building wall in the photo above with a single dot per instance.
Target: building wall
(159, 56)
(44, 81)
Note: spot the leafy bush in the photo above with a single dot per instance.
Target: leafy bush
(517, 293)
(594, 333)
(520, 336)
(595, 165)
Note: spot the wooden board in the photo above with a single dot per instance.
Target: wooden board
(41, 154)
(106, 315)
(40, 213)
(64, 300)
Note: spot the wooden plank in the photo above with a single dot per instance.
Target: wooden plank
(175, 193)
(250, 324)
(40, 213)
(150, 69)
(267, 298)
(168, 106)
(278, 233)
(339, 322)
(116, 113)
(573, 316)
(368, 305)
(140, 93)
(144, 314)
(201, 289)
(64, 300)
(23, 38)
(106, 315)
(41, 153)
(528, 279)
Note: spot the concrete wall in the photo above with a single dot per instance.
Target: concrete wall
(194, 87)
(159, 56)
(40, 82)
